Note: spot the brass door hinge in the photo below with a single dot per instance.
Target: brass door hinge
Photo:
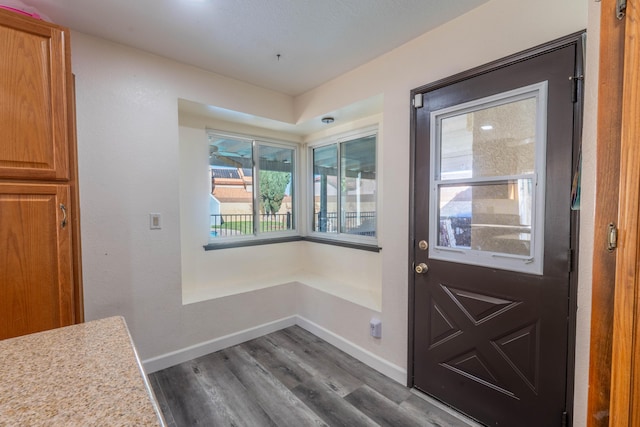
(621, 8)
(612, 237)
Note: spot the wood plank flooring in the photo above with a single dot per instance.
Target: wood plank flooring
(289, 378)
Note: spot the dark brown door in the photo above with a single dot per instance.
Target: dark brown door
(492, 229)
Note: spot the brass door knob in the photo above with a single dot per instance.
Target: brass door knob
(422, 268)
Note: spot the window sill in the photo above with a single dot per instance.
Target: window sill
(344, 244)
(253, 242)
(258, 242)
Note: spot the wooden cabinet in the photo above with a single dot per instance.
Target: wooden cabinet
(33, 113)
(40, 277)
(36, 269)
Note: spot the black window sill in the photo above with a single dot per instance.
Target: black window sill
(257, 242)
(351, 245)
(245, 243)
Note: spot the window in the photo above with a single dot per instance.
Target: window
(250, 199)
(344, 188)
(487, 181)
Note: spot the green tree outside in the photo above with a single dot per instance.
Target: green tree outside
(273, 185)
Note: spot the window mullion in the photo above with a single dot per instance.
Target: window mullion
(339, 212)
(255, 184)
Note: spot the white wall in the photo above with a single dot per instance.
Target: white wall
(128, 137)
(127, 114)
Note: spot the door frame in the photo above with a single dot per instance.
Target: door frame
(609, 116)
(616, 361)
(577, 39)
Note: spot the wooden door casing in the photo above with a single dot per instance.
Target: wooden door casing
(606, 211)
(36, 273)
(34, 68)
(625, 359)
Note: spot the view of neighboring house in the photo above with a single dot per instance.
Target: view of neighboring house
(231, 201)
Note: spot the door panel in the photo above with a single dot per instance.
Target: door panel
(489, 341)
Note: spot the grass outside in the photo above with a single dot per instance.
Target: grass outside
(246, 227)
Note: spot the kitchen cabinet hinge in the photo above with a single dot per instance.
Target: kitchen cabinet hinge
(565, 419)
(570, 257)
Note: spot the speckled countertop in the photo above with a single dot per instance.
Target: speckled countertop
(81, 375)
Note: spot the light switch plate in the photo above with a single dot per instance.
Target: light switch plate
(155, 221)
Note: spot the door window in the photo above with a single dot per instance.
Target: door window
(487, 175)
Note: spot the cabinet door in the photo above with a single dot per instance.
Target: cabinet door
(34, 68)
(36, 285)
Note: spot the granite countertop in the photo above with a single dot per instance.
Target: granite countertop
(81, 375)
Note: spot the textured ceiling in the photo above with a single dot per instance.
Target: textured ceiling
(317, 40)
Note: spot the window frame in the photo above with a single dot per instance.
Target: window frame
(533, 264)
(258, 237)
(354, 241)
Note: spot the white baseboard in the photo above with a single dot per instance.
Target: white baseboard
(381, 365)
(179, 356)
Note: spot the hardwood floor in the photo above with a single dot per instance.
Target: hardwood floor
(289, 378)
